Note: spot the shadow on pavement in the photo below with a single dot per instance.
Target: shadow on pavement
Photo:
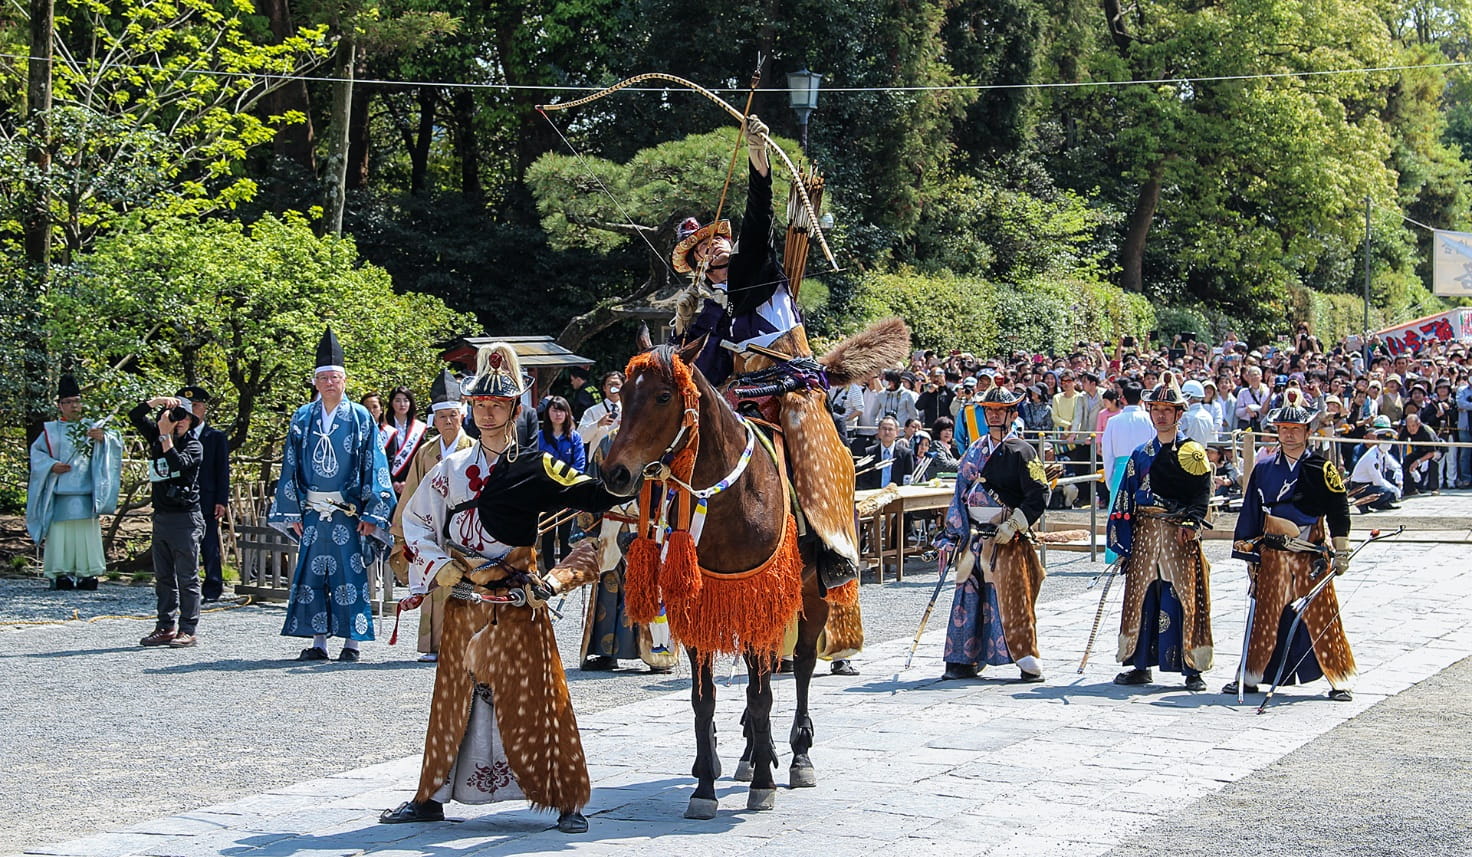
(238, 664)
(74, 653)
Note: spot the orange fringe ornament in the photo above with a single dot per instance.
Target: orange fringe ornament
(641, 580)
(847, 594)
(679, 575)
(748, 611)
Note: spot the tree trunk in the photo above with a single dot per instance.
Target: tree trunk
(429, 98)
(37, 214)
(295, 142)
(1132, 254)
(358, 142)
(467, 144)
(337, 158)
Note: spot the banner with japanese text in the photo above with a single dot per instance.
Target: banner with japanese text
(1408, 338)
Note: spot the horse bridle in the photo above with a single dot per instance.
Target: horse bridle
(659, 469)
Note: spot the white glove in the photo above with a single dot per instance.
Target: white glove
(756, 143)
(1341, 554)
(756, 132)
(1008, 529)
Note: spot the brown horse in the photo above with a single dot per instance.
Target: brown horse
(749, 525)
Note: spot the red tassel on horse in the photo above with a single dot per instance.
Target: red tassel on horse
(641, 580)
(679, 580)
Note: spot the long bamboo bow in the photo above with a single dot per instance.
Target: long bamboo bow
(807, 203)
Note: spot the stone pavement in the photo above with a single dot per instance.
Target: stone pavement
(906, 764)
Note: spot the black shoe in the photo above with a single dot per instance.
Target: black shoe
(313, 653)
(844, 666)
(1029, 678)
(1195, 682)
(784, 666)
(348, 656)
(87, 584)
(572, 822)
(1231, 688)
(65, 583)
(956, 672)
(1390, 507)
(599, 663)
(1133, 677)
(409, 812)
(1340, 694)
(661, 670)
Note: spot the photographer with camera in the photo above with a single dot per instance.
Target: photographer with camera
(174, 458)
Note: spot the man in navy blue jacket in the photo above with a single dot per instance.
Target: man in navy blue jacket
(214, 489)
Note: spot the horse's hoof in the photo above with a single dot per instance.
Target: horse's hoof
(804, 777)
(702, 808)
(761, 800)
(743, 772)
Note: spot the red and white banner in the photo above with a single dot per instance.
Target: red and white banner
(1410, 337)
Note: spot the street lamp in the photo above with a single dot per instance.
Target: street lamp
(802, 89)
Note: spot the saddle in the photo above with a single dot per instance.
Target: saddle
(788, 397)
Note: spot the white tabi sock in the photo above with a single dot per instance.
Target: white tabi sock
(350, 644)
(320, 641)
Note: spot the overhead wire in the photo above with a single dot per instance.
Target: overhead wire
(827, 90)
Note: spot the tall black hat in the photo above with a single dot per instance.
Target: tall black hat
(67, 387)
(329, 353)
(444, 392)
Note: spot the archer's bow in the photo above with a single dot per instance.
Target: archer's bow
(807, 203)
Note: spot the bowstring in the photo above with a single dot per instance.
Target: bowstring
(1338, 617)
(628, 219)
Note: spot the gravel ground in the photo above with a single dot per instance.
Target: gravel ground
(1389, 783)
(96, 732)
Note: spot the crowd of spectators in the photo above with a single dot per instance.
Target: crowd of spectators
(1411, 403)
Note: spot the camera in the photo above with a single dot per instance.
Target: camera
(176, 415)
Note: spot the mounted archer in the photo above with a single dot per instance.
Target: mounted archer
(738, 292)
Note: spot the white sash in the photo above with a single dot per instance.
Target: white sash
(408, 446)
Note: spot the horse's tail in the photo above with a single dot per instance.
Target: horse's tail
(882, 345)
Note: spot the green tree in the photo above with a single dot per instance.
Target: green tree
(172, 300)
(1261, 182)
(593, 203)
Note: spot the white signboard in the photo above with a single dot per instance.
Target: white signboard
(1451, 264)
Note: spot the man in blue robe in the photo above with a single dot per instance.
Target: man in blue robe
(335, 498)
(1001, 489)
(1154, 526)
(76, 468)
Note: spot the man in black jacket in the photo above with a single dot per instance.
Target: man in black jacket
(174, 457)
(893, 459)
(214, 488)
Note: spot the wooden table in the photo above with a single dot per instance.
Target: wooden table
(890, 520)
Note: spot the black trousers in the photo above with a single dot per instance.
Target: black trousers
(209, 555)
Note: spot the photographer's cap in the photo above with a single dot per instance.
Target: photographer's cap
(194, 393)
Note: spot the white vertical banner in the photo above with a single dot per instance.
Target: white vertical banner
(1451, 264)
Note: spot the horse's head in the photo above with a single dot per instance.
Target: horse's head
(660, 407)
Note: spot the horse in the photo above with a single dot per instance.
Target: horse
(743, 577)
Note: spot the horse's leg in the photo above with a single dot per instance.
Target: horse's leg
(707, 765)
(759, 668)
(743, 766)
(804, 656)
